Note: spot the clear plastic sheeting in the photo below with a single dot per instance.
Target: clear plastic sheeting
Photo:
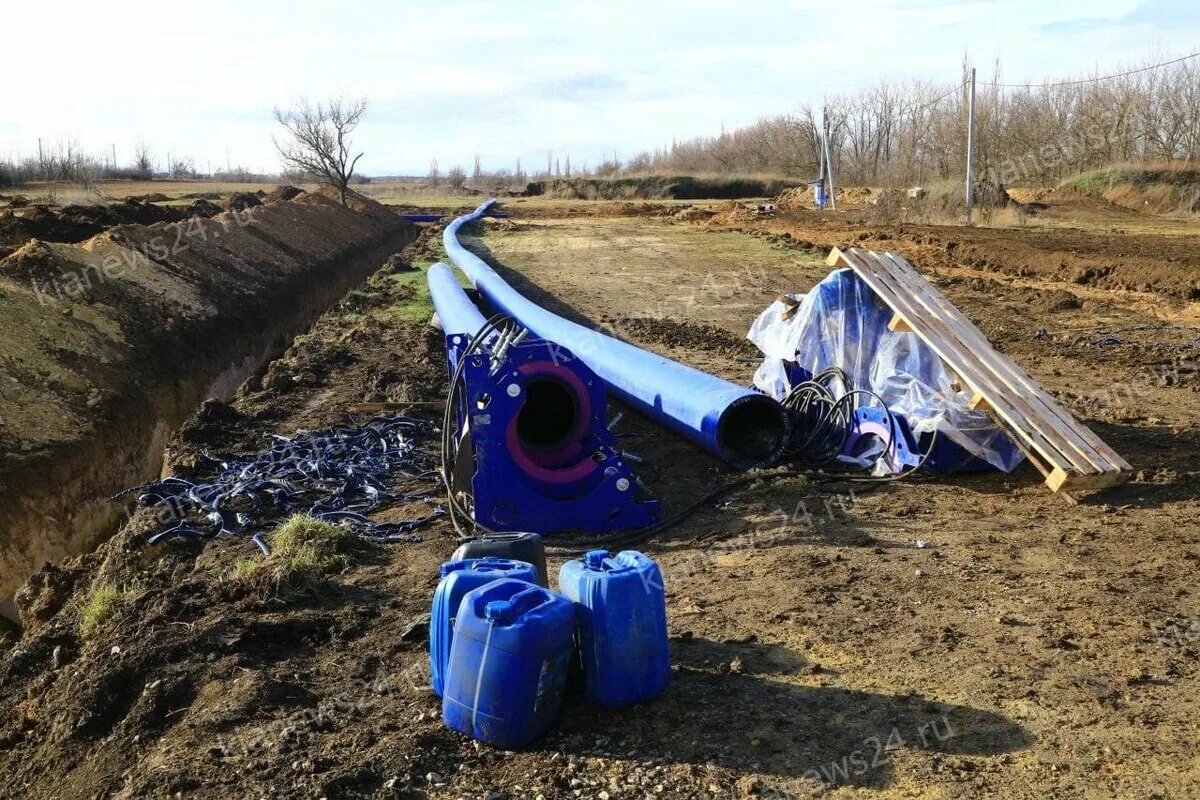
(841, 323)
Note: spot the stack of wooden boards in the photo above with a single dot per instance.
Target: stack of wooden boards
(1067, 453)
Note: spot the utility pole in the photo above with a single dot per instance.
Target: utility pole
(971, 146)
(828, 160)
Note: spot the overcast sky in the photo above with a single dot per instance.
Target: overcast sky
(504, 79)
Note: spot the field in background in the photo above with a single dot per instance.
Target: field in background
(1132, 198)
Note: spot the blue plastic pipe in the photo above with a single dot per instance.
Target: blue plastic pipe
(739, 425)
(456, 312)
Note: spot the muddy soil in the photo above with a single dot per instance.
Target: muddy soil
(108, 346)
(961, 636)
(78, 223)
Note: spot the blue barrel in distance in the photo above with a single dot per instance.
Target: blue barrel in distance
(508, 663)
(458, 578)
(622, 616)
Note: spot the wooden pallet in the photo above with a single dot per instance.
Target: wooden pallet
(1068, 453)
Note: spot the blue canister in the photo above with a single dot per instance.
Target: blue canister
(622, 616)
(508, 663)
(458, 578)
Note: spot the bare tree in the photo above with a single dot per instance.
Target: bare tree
(435, 174)
(456, 177)
(477, 172)
(143, 160)
(319, 140)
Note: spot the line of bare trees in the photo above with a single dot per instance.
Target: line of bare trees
(65, 162)
(910, 132)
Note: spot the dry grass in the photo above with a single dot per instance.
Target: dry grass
(105, 599)
(305, 551)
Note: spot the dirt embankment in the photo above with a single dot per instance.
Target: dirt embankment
(108, 345)
(657, 187)
(194, 684)
(1151, 265)
(76, 223)
(1168, 189)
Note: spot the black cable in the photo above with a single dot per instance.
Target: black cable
(498, 323)
(1082, 81)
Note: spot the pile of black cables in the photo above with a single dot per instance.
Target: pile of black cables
(339, 474)
(823, 409)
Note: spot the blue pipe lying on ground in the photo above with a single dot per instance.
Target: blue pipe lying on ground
(531, 443)
(745, 428)
(439, 217)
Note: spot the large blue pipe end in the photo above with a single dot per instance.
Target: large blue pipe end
(753, 431)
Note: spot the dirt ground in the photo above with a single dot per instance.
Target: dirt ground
(1031, 648)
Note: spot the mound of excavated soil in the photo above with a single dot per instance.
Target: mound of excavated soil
(243, 200)
(732, 213)
(106, 346)
(157, 672)
(800, 198)
(76, 223)
(633, 210)
(691, 335)
(694, 214)
(1167, 189)
(282, 193)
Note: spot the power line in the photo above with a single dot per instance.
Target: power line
(937, 100)
(1089, 80)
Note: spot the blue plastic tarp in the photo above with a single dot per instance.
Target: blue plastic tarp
(842, 323)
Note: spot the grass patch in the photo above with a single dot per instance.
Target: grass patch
(1094, 183)
(103, 602)
(304, 552)
(1099, 181)
(410, 290)
(1157, 188)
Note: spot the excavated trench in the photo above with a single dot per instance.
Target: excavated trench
(108, 346)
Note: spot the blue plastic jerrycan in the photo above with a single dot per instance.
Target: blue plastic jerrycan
(622, 616)
(508, 663)
(458, 578)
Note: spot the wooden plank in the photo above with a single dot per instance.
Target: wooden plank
(1076, 432)
(1009, 369)
(1043, 412)
(1078, 458)
(1061, 415)
(898, 325)
(1009, 372)
(1062, 481)
(952, 351)
(947, 347)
